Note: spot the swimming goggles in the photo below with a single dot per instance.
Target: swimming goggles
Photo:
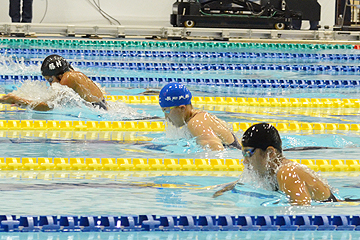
(167, 111)
(50, 79)
(248, 152)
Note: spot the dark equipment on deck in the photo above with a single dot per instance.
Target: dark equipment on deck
(269, 14)
(347, 15)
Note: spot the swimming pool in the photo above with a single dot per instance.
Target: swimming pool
(262, 75)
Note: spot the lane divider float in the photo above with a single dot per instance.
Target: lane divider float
(129, 223)
(156, 164)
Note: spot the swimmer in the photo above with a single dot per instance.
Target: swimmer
(56, 69)
(175, 102)
(262, 151)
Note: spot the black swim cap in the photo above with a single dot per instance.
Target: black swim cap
(54, 65)
(262, 135)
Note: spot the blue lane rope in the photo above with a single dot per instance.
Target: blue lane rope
(246, 83)
(150, 66)
(34, 52)
(71, 223)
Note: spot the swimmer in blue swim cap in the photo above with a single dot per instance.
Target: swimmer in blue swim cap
(175, 102)
(55, 69)
(263, 156)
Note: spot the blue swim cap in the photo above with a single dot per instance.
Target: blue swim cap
(174, 94)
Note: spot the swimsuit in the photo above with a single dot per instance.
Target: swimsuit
(234, 144)
(101, 104)
(332, 198)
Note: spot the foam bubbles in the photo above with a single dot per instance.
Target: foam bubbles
(11, 65)
(120, 111)
(173, 132)
(66, 101)
(266, 181)
(35, 91)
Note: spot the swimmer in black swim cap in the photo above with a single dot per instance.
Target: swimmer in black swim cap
(56, 69)
(262, 136)
(54, 65)
(262, 151)
(263, 157)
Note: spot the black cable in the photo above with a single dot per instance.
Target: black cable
(118, 22)
(99, 11)
(102, 14)
(95, 5)
(102, 11)
(46, 8)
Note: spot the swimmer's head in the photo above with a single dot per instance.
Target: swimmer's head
(54, 65)
(174, 94)
(262, 135)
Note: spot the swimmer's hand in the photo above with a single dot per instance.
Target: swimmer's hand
(23, 103)
(228, 187)
(150, 92)
(12, 99)
(8, 99)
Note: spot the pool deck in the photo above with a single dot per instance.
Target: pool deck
(323, 36)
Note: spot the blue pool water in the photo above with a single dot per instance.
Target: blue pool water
(343, 147)
(122, 193)
(119, 193)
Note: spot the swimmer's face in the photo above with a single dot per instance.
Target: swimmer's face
(174, 115)
(256, 159)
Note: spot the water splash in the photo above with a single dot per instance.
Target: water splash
(119, 110)
(35, 91)
(254, 179)
(66, 101)
(173, 132)
(12, 65)
(265, 181)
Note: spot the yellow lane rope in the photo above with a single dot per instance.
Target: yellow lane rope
(121, 175)
(157, 126)
(156, 164)
(243, 101)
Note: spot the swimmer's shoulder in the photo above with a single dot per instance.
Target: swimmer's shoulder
(197, 123)
(289, 167)
(297, 169)
(71, 75)
(197, 115)
(73, 79)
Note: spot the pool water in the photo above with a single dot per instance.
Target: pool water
(168, 193)
(172, 193)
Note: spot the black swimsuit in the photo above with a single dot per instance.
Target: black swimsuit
(234, 144)
(332, 198)
(101, 104)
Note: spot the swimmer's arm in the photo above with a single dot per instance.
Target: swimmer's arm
(23, 103)
(291, 184)
(227, 187)
(214, 143)
(205, 136)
